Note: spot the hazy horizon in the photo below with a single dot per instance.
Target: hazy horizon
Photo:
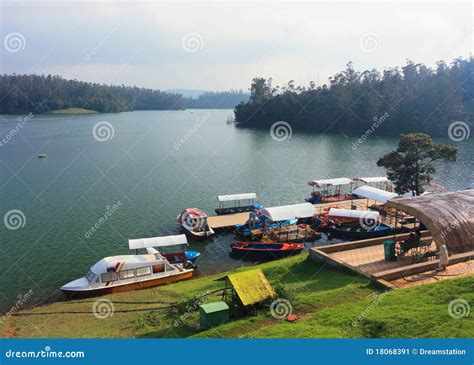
(222, 46)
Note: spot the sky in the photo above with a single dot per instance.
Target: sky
(223, 45)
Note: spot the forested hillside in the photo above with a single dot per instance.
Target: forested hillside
(40, 94)
(413, 98)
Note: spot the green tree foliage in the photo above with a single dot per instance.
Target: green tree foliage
(218, 100)
(38, 94)
(411, 166)
(417, 98)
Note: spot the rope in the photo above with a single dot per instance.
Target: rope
(171, 305)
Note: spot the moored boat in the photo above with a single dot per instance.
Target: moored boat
(130, 272)
(329, 190)
(194, 222)
(237, 207)
(267, 250)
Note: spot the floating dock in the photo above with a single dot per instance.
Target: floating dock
(222, 222)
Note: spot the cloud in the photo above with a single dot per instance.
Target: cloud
(141, 43)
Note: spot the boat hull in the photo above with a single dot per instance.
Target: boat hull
(342, 233)
(129, 286)
(265, 251)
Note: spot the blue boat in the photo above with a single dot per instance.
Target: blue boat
(192, 255)
(258, 221)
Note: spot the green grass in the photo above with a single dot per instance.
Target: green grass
(328, 303)
(73, 111)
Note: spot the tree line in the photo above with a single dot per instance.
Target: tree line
(413, 98)
(20, 94)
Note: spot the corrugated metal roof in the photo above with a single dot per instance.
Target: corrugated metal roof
(448, 216)
(251, 286)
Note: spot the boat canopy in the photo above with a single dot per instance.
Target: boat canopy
(359, 214)
(235, 197)
(157, 242)
(285, 212)
(330, 182)
(113, 263)
(375, 179)
(370, 192)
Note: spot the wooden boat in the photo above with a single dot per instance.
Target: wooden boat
(194, 222)
(355, 224)
(258, 221)
(356, 231)
(237, 207)
(323, 191)
(130, 272)
(267, 250)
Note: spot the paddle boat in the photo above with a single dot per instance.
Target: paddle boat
(258, 221)
(270, 250)
(355, 224)
(130, 272)
(379, 182)
(194, 223)
(250, 199)
(329, 190)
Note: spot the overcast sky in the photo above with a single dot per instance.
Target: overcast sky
(217, 46)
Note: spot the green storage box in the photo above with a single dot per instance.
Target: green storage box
(389, 250)
(213, 314)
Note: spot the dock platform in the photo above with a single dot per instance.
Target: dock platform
(222, 222)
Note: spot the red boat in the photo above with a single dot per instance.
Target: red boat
(267, 249)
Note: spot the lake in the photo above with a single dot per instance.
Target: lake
(144, 167)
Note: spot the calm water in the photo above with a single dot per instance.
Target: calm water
(156, 164)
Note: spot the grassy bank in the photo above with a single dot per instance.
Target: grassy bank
(73, 111)
(329, 303)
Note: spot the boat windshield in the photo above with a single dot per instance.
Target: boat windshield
(90, 276)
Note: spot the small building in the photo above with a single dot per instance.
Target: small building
(248, 288)
(213, 314)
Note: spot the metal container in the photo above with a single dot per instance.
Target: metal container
(213, 314)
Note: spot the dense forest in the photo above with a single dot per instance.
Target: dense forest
(414, 98)
(218, 100)
(40, 94)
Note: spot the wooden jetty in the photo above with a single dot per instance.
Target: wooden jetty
(222, 222)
